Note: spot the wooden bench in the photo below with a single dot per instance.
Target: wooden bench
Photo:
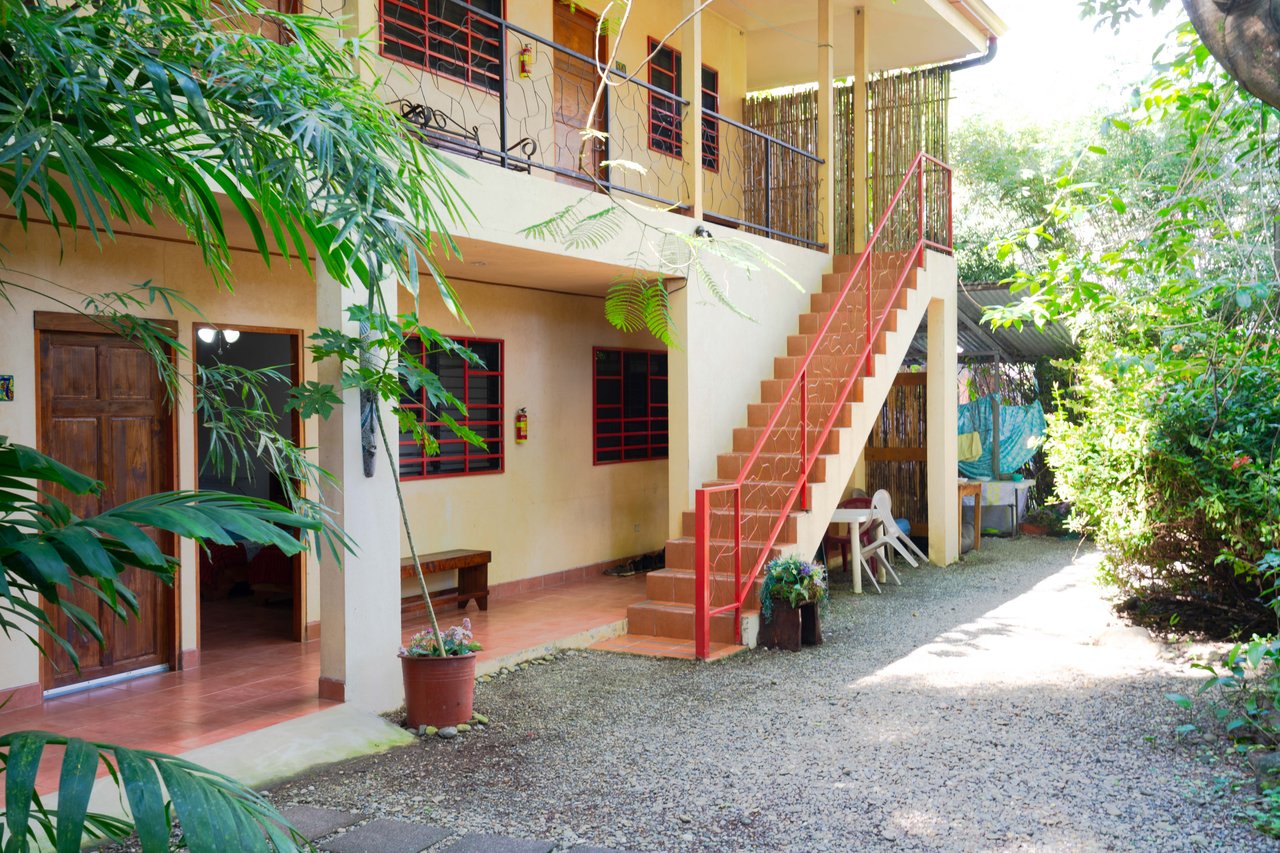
(473, 579)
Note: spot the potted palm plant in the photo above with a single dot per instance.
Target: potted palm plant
(789, 597)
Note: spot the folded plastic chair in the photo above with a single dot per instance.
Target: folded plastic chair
(889, 535)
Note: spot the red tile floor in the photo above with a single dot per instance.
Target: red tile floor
(252, 676)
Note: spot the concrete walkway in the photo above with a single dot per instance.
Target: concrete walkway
(337, 831)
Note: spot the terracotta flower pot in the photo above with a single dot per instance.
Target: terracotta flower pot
(438, 691)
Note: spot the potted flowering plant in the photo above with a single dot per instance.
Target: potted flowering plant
(789, 597)
(439, 676)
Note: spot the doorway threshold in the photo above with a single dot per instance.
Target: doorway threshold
(79, 687)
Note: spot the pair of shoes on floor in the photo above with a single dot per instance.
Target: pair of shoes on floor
(638, 565)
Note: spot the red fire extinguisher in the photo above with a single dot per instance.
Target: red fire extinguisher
(522, 426)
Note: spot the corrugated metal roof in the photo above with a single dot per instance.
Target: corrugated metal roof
(980, 342)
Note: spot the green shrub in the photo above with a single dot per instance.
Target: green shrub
(1167, 454)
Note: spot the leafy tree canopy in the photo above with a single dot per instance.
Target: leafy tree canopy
(122, 109)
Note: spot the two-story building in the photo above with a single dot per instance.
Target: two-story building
(622, 431)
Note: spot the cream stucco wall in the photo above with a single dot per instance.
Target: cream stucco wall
(551, 508)
(279, 297)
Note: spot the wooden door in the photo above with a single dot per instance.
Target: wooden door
(574, 89)
(103, 412)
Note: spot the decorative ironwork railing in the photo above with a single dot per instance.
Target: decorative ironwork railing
(737, 524)
(761, 184)
(477, 85)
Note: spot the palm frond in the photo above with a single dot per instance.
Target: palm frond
(213, 812)
(634, 303)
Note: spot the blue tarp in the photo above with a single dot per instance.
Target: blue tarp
(1021, 431)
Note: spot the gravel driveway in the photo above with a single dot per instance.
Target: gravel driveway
(997, 705)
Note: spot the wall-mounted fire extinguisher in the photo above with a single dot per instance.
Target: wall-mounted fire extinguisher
(522, 426)
(525, 61)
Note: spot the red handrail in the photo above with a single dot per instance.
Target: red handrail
(703, 611)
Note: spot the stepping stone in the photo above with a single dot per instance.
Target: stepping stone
(388, 836)
(498, 844)
(314, 822)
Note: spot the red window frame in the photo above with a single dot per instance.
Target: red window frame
(483, 417)
(710, 127)
(615, 437)
(665, 131)
(481, 68)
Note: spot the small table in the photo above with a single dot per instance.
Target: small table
(971, 489)
(858, 520)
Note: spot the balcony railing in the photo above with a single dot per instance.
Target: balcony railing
(519, 100)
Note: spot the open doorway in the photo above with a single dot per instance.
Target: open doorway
(250, 594)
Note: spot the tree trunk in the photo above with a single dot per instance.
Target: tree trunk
(1243, 35)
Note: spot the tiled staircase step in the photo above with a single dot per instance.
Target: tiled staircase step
(766, 495)
(756, 525)
(679, 586)
(745, 438)
(785, 467)
(833, 282)
(681, 554)
(798, 345)
(850, 318)
(818, 388)
(820, 366)
(843, 263)
(668, 619)
(758, 414)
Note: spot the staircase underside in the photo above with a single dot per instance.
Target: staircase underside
(663, 626)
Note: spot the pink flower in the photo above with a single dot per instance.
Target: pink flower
(1241, 461)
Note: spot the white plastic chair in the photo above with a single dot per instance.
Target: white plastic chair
(890, 535)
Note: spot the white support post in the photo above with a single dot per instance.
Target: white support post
(942, 415)
(359, 600)
(691, 91)
(826, 125)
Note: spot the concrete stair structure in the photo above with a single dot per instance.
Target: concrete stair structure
(669, 614)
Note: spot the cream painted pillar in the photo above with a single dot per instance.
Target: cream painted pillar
(942, 394)
(359, 600)
(861, 132)
(691, 91)
(859, 478)
(826, 125)
(680, 487)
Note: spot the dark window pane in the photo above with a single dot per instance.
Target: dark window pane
(632, 425)
(446, 37)
(483, 393)
(608, 392)
(608, 362)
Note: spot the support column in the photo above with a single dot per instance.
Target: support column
(359, 600)
(680, 479)
(861, 132)
(940, 429)
(691, 91)
(826, 126)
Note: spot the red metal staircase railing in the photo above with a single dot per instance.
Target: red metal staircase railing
(841, 354)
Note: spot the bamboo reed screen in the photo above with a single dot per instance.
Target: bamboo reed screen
(906, 114)
(896, 452)
(793, 180)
